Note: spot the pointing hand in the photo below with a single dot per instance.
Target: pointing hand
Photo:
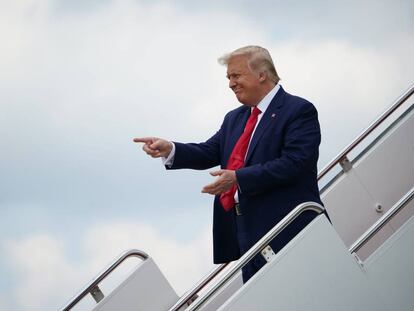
(155, 147)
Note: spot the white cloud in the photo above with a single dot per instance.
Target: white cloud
(43, 273)
(4, 305)
(118, 68)
(46, 276)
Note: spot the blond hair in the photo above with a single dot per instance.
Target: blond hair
(259, 60)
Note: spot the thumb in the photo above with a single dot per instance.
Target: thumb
(156, 144)
(161, 145)
(217, 173)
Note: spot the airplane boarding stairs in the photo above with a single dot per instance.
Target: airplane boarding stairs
(362, 261)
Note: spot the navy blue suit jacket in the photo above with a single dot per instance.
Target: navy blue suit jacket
(280, 170)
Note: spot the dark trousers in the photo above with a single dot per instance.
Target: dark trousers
(258, 261)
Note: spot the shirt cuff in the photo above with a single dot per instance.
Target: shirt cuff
(168, 161)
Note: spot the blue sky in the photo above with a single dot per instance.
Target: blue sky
(80, 79)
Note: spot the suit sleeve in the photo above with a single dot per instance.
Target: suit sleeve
(198, 156)
(299, 153)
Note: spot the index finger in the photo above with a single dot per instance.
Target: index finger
(143, 140)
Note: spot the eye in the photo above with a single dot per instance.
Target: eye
(233, 76)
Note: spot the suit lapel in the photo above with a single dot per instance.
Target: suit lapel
(270, 116)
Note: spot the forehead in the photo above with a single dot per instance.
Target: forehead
(238, 63)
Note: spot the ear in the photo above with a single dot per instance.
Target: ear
(262, 76)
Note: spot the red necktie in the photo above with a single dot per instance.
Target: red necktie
(237, 156)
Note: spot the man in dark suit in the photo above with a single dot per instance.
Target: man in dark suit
(268, 151)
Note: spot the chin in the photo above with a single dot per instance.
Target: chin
(243, 101)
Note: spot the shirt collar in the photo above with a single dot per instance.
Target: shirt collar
(265, 102)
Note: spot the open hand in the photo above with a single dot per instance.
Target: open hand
(226, 179)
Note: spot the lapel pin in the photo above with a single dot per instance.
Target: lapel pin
(273, 115)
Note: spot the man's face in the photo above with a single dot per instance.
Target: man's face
(244, 82)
